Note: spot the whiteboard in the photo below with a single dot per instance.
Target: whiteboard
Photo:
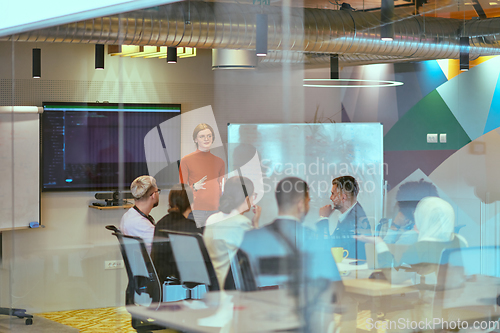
(19, 166)
(316, 153)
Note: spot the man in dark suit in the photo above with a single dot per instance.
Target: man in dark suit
(284, 253)
(352, 221)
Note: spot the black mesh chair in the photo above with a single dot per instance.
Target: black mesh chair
(240, 276)
(143, 287)
(192, 260)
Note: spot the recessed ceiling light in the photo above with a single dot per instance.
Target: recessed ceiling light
(493, 3)
(468, 3)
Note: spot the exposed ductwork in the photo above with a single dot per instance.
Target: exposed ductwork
(321, 59)
(232, 26)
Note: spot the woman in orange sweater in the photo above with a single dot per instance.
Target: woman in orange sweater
(204, 172)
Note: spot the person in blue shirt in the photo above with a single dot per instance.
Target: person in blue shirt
(287, 254)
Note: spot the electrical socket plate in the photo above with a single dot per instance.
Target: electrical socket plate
(432, 138)
(442, 137)
(113, 264)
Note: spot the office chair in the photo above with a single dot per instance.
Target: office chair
(192, 260)
(143, 287)
(467, 284)
(241, 273)
(19, 313)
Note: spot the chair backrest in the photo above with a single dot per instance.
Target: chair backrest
(466, 262)
(143, 285)
(478, 260)
(468, 277)
(192, 260)
(242, 274)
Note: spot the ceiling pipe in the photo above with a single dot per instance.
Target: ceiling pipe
(296, 58)
(232, 26)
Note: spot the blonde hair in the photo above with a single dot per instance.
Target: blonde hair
(201, 127)
(141, 185)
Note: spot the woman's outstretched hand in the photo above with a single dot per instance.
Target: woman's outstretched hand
(199, 185)
(369, 239)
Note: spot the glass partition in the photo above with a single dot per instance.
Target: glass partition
(339, 159)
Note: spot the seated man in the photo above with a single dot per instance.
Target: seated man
(287, 254)
(352, 221)
(137, 221)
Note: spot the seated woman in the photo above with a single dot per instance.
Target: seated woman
(224, 230)
(435, 223)
(401, 230)
(179, 200)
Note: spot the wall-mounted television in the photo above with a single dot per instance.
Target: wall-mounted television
(80, 145)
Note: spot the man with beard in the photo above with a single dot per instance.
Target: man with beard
(137, 221)
(352, 221)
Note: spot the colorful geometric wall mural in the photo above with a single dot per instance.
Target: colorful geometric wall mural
(470, 179)
(436, 98)
(464, 108)
(430, 115)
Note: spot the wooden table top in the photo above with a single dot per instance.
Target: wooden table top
(375, 288)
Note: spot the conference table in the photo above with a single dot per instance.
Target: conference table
(357, 280)
(377, 295)
(473, 299)
(260, 311)
(232, 311)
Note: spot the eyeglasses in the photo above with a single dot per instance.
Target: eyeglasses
(158, 190)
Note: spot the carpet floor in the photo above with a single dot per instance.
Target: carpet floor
(102, 320)
(40, 325)
(93, 320)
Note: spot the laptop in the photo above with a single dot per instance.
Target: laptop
(397, 250)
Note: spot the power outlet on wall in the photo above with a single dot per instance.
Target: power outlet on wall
(432, 138)
(442, 137)
(113, 264)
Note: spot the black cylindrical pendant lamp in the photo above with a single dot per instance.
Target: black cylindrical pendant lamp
(464, 53)
(261, 35)
(172, 55)
(386, 19)
(334, 66)
(37, 63)
(99, 56)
